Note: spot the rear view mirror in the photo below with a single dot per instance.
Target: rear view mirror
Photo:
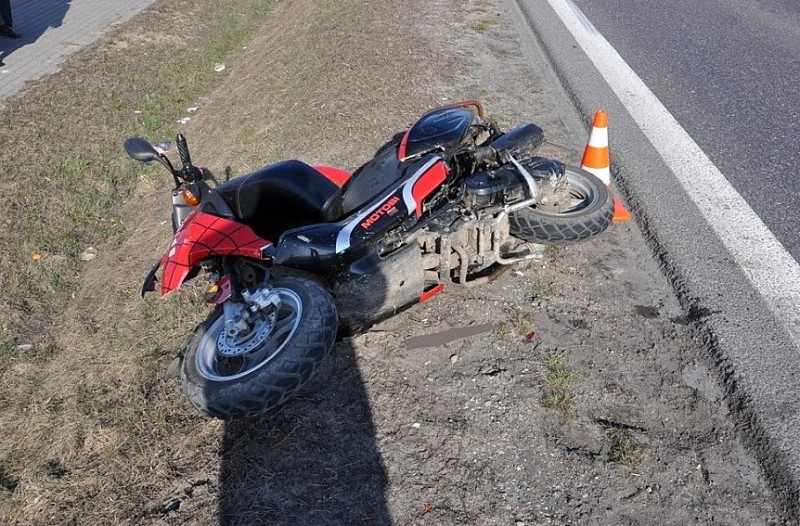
(141, 150)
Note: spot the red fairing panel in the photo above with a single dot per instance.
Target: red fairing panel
(401, 151)
(203, 236)
(335, 175)
(426, 184)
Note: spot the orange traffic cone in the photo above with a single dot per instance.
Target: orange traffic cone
(597, 160)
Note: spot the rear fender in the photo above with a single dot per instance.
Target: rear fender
(203, 236)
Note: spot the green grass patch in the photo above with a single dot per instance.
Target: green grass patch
(625, 450)
(547, 290)
(557, 384)
(61, 147)
(484, 26)
(520, 324)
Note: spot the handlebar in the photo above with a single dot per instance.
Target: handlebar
(183, 150)
(188, 172)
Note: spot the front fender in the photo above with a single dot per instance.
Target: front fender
(149, 284)
(203, 236)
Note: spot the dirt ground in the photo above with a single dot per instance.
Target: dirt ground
(463, 433)
(458, 433)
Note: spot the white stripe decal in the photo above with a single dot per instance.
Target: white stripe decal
(343, 239)
(408, 196)
(770, 268)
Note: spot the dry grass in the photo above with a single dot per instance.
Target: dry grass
(330, 49)
(91, 433)
(86, 415)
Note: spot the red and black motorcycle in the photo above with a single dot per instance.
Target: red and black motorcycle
(297, 253)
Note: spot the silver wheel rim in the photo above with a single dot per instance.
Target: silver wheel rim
(271, 334)
(582, 196)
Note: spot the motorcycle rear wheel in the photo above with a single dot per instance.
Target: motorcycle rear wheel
(247, 381)
(589, 213)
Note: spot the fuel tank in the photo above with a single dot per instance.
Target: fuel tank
(442, 128)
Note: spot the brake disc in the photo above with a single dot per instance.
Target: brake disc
(236, 346)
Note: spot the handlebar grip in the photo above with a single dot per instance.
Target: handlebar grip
(183, 150)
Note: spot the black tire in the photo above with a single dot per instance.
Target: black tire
(590, 213)
(290, 351)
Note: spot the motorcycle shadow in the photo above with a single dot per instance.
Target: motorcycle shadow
(313, 461)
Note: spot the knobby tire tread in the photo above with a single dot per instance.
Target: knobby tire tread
(274, 383)
(545, 228)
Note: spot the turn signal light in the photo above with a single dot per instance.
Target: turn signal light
(190, 197)
(210, 293)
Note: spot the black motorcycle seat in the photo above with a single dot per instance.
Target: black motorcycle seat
(282, 196)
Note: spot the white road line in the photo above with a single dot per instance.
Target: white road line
(773, 272)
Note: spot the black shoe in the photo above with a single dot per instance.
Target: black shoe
(6, 31)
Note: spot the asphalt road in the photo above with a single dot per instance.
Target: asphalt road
(700, 97)
(729, 71)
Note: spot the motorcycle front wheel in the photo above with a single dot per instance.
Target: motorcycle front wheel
(589, 213)
(247, 376)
